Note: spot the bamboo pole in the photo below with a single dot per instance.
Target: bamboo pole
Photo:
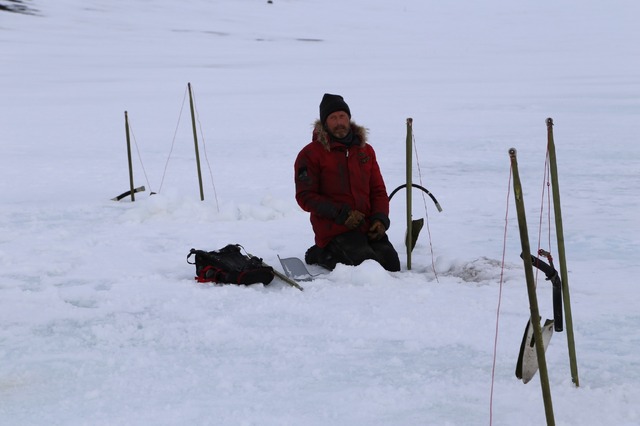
(409, 159)
(531, 288)
(126, 128)
(561, 252)
(195, 140)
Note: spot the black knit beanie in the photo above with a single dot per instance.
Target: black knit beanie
(330, 104)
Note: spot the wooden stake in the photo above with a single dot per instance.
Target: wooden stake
(195, 140)
(561, 252)
(531, 288)
(409, 160)
(126, 128)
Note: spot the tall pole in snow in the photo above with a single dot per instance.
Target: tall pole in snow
(551, 148)
(409, 160)
(531, 288)
(195, 140)
(126, 128)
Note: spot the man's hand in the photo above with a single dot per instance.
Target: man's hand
(354, 219)
(376, 231)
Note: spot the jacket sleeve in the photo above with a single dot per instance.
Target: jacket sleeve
(378, 195)
(308, 196)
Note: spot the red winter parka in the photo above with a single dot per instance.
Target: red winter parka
(333, 179)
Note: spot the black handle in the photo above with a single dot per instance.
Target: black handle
(552, 275)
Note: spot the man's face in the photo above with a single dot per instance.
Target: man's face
(338, 124)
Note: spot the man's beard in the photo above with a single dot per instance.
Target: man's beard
(340, 131)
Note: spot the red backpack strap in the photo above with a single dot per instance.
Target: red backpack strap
(209, 274)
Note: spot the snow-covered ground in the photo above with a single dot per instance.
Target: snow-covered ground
(101, 320)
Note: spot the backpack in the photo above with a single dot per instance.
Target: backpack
(228, 265)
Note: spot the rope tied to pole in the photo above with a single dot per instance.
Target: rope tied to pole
(495, 340)
(195, 118)
(206, 157)
(173, 141)
(144, 171)
(426, 212)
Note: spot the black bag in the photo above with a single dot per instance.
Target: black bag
(229, 265)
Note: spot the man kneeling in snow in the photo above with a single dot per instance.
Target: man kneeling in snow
(338, 181)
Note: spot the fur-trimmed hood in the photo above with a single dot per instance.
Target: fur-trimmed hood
(321, 135)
